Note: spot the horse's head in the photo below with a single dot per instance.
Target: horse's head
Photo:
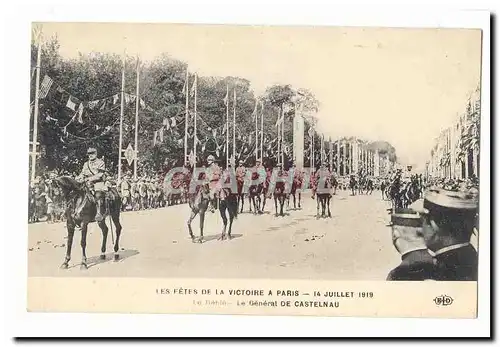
(68, 185)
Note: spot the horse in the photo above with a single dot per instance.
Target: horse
(227, 202)
(361, 185)
(369, 186)
(324, 197)
(296, 190)
(353, 185)
(335, 184)
(383, 186)
(81, 210)
(280, 196)
(199, 203)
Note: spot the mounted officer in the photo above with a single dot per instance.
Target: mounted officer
(94, 173)
(213, 174)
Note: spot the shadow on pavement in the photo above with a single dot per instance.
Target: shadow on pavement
(96, 260)
(216, 237)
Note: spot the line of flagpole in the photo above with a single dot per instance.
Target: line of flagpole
(283, 137)
(234, 131)
(136, 121)
(186, 117)
(35, 111)
(256, 130)
(121, 119)
(227, 126)
(262, 132)
(195, 115)
(279, 137)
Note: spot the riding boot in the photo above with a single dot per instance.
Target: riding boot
(100, 207)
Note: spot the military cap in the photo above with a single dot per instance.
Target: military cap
(466, 200)
(91, 150)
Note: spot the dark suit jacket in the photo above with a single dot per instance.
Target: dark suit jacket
(415, 266)
(457, 265)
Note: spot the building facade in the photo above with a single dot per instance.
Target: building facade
(455, 154)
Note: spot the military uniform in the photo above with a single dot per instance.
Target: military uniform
(323, 175)
(456, 261)
(240, 177)
(94, 172)
(416, 265)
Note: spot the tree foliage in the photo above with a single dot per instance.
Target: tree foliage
(98, 75)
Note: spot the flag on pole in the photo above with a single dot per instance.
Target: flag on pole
(155, 135)
(279, 121)
(185, 86)
(226, 98)
(161, 134)
(193, 88)
(80, 113)
(45, 86)
(254, 113)
(70, 104)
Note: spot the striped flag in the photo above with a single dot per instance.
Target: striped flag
(70, 104)
(45, 86)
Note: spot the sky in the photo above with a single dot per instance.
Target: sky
(394, 84)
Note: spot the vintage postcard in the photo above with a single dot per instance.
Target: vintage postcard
(254, 169)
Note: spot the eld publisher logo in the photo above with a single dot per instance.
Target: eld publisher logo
(443, 300)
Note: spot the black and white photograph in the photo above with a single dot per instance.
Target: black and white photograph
(256, 152)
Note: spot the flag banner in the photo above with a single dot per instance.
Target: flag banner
(103, 105)
(279, 121)
(165, 121)
(127, 99)
(115, 98)
(155, 135)
(254, 113)
(186, 84)
(173, 122)
(93, 104)
(142, 103)
(161, 134)
(193, 88)
(45, 86)
(80, 113)
(70, 104)
(226, 98)
(311, 132)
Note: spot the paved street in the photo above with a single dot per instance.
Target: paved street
(354, 244)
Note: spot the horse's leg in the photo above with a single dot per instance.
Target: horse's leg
(276, 204)
(233, 210)
(70, 225)
(191, 217)
(115, 216)
(202, 222)
(104, 229)
(257, 197)
(222, 210)
(318, 203)
(300, 197)
(282, 204)
(329, 200)
(83, 243)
